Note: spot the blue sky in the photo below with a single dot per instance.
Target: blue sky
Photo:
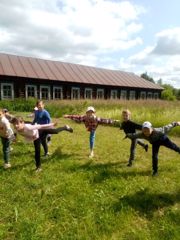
(135, 36)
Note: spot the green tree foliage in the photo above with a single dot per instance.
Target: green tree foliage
(167, 94)
(148, 78)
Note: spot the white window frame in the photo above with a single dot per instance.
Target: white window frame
(35, 91)
(143, 95)
(57, 88)
(149, 95)
(88, 89)
(114, 94)
(132, 95)
(156, 95)
(100, 90)
(123, 94)
(12, 91)
(40, 93)
(78, 92)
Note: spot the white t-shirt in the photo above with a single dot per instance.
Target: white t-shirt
(5, 128)
(31, 133)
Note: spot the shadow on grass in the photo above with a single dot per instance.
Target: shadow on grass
(58, 155)
(147, 203)
(104, 171)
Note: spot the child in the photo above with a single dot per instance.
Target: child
(130, 127)
(31, 133)
(6, 134)
(157, 137)
(42, 116)
(91, 122)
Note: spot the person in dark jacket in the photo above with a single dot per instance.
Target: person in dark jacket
(130, 127)
(157, 137)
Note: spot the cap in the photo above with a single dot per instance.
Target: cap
(147, 125)
(90, 109)
(5, 110)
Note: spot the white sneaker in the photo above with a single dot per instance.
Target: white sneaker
(38, 170)
(7, 165)
(68, 128)
(91, 155)
(46, 155)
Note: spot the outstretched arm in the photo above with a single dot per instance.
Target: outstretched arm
(165, 129)
(108, 121)
(134, 135)
(42, 126)
(77, 118)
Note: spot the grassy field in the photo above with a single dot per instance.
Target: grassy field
(75, 197)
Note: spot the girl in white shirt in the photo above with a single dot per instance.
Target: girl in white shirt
(31, 133)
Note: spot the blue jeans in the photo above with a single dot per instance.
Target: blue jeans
(92, 139)
(6, 149)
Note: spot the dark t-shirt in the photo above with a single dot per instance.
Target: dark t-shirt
(130, 127)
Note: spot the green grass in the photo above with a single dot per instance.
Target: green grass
(75, 197)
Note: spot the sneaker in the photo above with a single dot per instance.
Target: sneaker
(7, 165)
(146, 147)
(155, 173)
(46, 155)
(68, 128)
(39, 169)
(91, 155)
(129, 164)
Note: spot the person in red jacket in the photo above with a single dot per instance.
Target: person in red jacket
(91, 122)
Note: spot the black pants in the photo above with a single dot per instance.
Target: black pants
(134, 142)
(164, 141)
(43, 136)
(38, 142)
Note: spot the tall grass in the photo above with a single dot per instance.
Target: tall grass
(156, 111)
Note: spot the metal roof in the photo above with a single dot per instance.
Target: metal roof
(28, 67)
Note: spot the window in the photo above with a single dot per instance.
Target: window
(132, 95)
(113, 94)
(44, 92)
(124, 94)
(7, 91)
(31, 91)
(57, 93)
(75, 93)
(156, 95)
(88, 93)
(149, 95)
(100, 94)
(143, 95)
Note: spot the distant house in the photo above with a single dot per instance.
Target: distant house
(31, 77)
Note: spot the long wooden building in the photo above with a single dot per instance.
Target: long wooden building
(25, 77)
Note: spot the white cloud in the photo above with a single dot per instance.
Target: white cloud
(168, 42)
(159, 61)
(68, 28)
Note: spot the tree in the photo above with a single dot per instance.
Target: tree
(167, 93)
(160, 82)
(148, 78)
